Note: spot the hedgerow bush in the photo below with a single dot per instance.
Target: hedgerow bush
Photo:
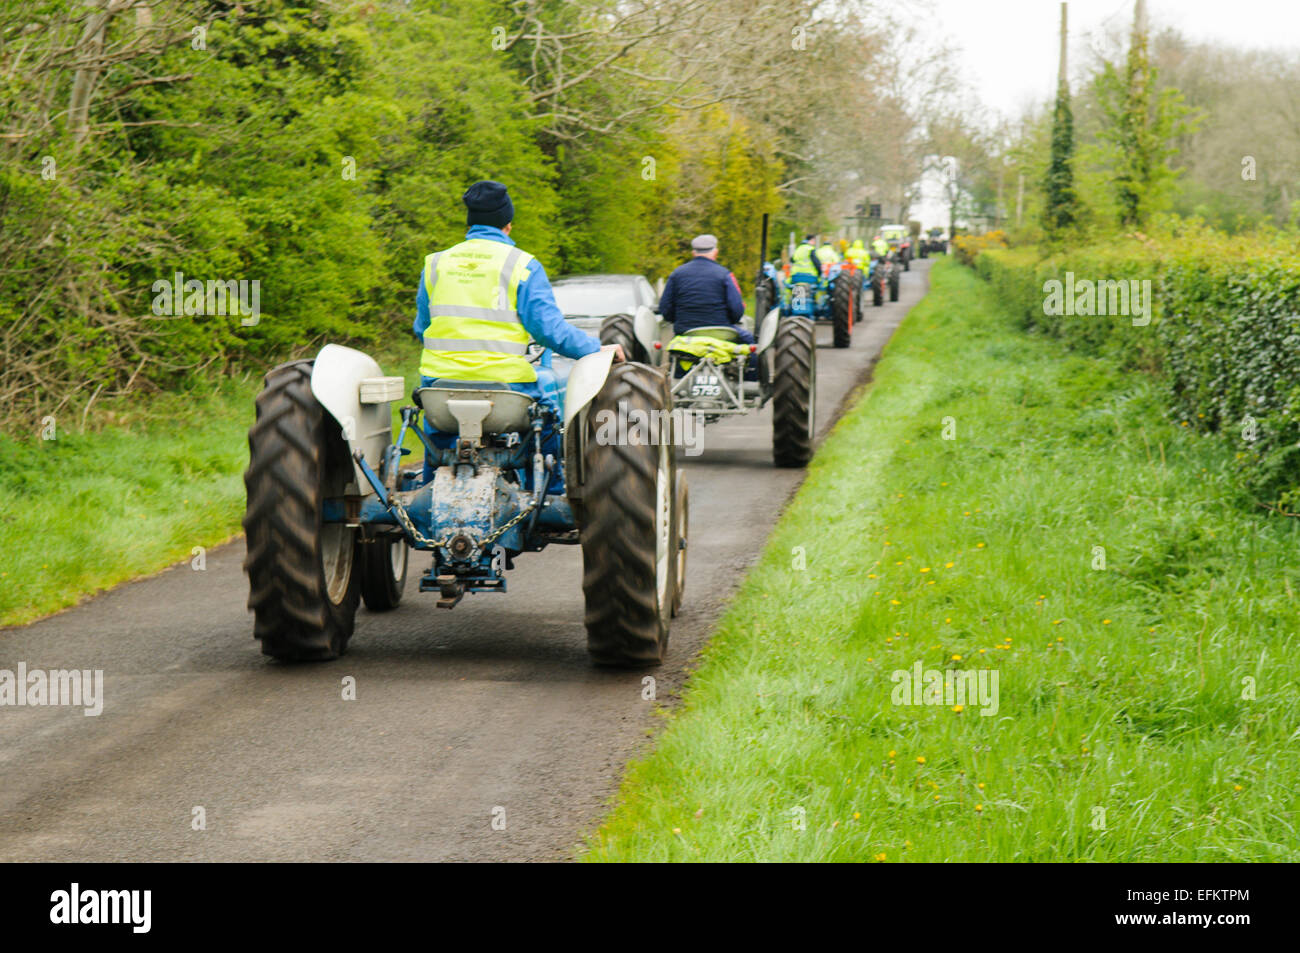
(1224, 333)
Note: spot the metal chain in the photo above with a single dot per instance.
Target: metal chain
(402, 517)
(496, 534)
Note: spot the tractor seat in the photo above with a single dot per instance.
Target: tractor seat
(509, 413)
(723, 332)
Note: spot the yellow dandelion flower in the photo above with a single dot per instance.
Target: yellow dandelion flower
(920, 759)
(856, 815)
(925, 569)
(980, 808)
(948, 565)
(1105, 621)
(895, 602)
(892, 753)
(880, 856)
(1236, 787)
(980, 785)
(957, 709)
(956, 658)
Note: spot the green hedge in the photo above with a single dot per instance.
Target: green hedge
(1224, 333)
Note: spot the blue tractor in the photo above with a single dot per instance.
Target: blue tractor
(832, 297)
(333, 518)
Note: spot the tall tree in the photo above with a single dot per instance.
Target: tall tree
(1140, 126)
(1060, 212)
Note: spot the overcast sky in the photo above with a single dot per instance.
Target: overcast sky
(1008, 48)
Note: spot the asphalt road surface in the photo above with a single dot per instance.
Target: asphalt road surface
(465, 721)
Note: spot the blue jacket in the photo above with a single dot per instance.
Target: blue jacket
(535, 302)
(699, 293)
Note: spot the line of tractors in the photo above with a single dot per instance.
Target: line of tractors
(333, 517)
(838, 295)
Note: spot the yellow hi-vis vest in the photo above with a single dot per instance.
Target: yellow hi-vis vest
(801, 261)
(857, 254)
(828, 254)
(474, 331)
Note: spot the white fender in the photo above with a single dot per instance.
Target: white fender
(336, 381)
(586, 378)
(767, 331)
(646, 328)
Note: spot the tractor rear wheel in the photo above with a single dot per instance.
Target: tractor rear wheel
(893, 285)
(877, 293)
(620, 329)
(383, 572)
(626, 521)
(794, 393)
(302, 572)
(765, 299)
(842, 311)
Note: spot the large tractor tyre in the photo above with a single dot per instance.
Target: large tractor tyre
(842, 312)
(877, 293)
(765, 299)
(681, 528)
(925, 250)
(303, 574)
(383, 573)
(893, 286)
(794, 393)
(907, 262)
(618, 329)
(626, 523)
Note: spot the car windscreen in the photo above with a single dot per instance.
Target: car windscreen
(596, 297)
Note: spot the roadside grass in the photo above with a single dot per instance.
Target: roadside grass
(1147, 711)
(160, 476)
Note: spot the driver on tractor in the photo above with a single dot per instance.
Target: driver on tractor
(480, 303)
(805, 261)
(703, 293)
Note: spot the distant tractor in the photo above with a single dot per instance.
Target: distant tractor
(833, 297)
(900, 240)
(713, 375)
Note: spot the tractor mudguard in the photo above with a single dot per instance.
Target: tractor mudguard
(767, 330)
(336, 380)
(645, 325)
(586, 378)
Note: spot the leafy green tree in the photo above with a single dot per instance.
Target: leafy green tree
(1060, 210)
(1140, 127)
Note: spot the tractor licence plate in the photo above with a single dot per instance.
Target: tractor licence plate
(706, 385)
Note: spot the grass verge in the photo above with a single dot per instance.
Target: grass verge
(85, 511)
(1094, 555)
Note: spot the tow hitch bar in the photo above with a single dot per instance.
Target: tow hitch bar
(452, 591)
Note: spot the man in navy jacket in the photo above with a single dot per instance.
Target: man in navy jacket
(702, 292)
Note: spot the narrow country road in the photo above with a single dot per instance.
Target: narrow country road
(491, 705)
